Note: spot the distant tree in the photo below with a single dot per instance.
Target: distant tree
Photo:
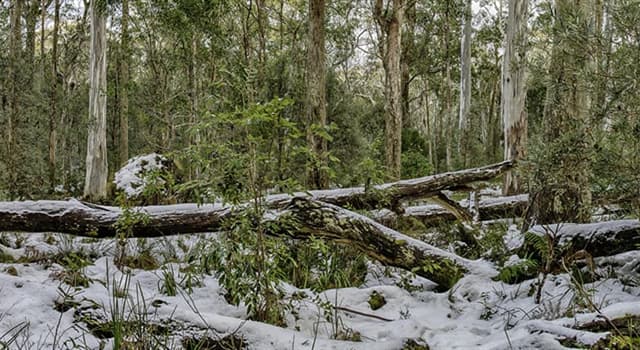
(123, 85)
(465, 85)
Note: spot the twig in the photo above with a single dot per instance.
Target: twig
(342, 308)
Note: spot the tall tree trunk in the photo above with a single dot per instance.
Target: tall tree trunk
(407, 60)
(95, 187)
(448, 117)
(465, 85)
(316, 108)
(563, 189)
(53, 114)
(123, 145)
(514, 92)
(390, 23)
(31, 19)
(15, 54)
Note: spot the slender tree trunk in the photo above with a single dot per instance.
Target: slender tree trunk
(465, 86)
(448, 117)
(514, 92)
(15, 54)
(53, 114)
(31, 20)
(316, 108)
(43, 16)
(407, 61)
(123, 149)
(95, 187)
(390, 23)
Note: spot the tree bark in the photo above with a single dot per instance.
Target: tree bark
(295, 217)
(95, 187)
(391, 194)
(15, 54)
(407, 60)
(53, 114)
(597, 239)
(465, 86)
(514, 114)
(123, 145)
(316, 103)
(390, 24)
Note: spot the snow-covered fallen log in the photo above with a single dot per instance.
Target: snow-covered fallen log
(489, 209)
(299, 217)
(598, 239)
(394, 192)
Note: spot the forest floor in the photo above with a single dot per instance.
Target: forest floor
(64, 292)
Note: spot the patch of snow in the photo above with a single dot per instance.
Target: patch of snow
(130, 178)
(514, 238)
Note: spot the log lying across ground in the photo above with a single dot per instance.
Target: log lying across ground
(433, 214)
(598, 239)
(317, 213)
(390, 194)
(297, 217)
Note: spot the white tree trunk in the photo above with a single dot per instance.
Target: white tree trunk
(465, 84)
(95, 186)
(514, 90)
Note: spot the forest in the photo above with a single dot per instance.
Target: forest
(320, 174)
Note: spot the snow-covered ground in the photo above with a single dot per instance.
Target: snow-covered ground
(38, 311)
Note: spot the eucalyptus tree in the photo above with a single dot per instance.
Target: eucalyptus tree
(13, 93)
(465, 85)
(95, 187)
(514, 92)
(316, 101)
(123, 84)
(389, 17)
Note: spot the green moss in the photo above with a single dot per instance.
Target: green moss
(376, 300)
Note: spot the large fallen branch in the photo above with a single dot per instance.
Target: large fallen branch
(432, 214)
(389, 195)
(598, 239)
(296, 217)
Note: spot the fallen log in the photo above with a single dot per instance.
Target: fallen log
(597, 239)
(297, 217)
(433, 214)
(390, 195)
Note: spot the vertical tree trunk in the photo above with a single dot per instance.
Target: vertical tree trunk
(563, 189)
(390, 23)
(316, 108)
(31, 20)
(514, 93)
(448, 117)
(465, 85)
(407, 61)
(15, 53)
(95, 187)
(53, 114)
(123, 145)
(43, 15)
